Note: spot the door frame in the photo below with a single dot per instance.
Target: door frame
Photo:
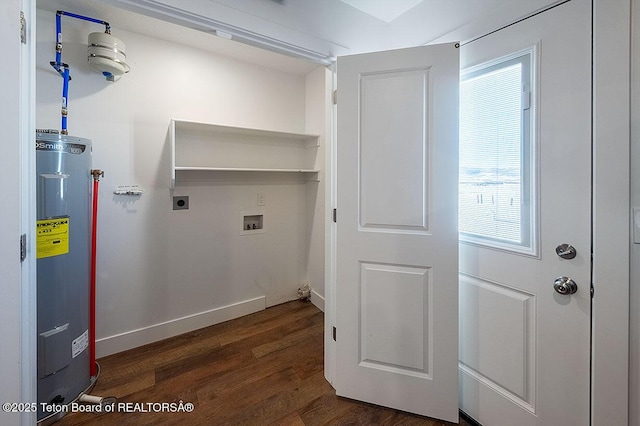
(610, 217)
(27, 122)
(611, 212)
(21, 122)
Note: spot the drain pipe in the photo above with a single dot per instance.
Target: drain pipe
(98, 400)
(97, 174)
(94, 399)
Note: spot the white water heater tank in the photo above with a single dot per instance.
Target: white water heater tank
(106, 53)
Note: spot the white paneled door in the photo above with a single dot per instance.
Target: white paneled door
(525, 347)
(397, 237)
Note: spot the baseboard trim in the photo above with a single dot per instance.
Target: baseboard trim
(317, 300)
(142, 336)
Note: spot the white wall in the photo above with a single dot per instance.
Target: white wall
(156, 265)
(634, 296)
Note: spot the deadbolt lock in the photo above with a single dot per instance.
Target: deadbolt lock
(566, 251)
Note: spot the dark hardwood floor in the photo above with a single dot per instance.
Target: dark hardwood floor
(261, 369)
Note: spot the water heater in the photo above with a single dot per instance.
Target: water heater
(63, 239)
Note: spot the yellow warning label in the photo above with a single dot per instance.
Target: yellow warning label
(52, 237)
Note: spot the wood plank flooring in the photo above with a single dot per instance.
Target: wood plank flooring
(261, 369)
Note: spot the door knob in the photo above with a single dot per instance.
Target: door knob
(565, 286)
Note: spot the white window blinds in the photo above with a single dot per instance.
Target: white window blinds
(494, 205)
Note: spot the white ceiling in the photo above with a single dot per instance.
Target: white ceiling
(385, 10)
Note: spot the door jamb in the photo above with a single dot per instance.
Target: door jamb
(610, 210)
(28, 307)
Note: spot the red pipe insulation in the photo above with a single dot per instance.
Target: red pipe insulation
(92, 288)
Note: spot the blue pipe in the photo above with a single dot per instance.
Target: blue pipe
(58, 39)
(61, 67)
(85, 18)
(65, 98)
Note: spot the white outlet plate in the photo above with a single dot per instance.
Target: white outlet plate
(262, 199)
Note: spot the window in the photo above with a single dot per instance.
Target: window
(496, 182)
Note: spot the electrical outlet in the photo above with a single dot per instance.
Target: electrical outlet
(181, 202)
(262, 199)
